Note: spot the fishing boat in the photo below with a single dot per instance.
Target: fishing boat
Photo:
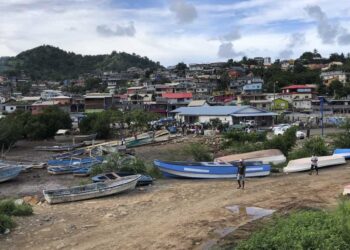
(139, 142)
(9, 172)
(210, 170)
(69, 154)
(269, 156)
(304, 164)
(91, 191)
(75, 161)
(143, 181)
(59, 148)
(343, 152)
(65, 135)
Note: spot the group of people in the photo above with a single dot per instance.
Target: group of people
(242, 170)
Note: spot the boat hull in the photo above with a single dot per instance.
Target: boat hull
(342, 152)
(206, 170)
(304, 164)
(269, 156)
(91, 191)
(9, 172)
(75, 138)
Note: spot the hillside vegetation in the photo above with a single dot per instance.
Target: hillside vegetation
(50, 63)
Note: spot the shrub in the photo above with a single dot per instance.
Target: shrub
(283, 142)
(7, 207)
(23, 210)
(232, 137)
(342, 140)
(198, 151)
(312, 146)
(97, 123)
(117, 163)
(5, 223)
(304, 230)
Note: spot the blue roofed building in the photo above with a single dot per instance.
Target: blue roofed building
(227, 114)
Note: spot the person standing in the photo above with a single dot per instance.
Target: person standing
(314, 164)
(241, 174)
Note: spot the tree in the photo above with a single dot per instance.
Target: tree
(99, 123)
(224, 81)
(337, 89)
(46, 124)
(181, 68)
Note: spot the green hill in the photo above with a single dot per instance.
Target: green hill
(51, 63)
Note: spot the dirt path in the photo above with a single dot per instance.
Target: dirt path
(173, 214)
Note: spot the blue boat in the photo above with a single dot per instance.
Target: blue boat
(68, 155)
(77, 170)
(343, 152)
(210, 170)
(75, 161)
(8, 172)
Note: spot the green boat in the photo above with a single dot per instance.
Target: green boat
(139, 142)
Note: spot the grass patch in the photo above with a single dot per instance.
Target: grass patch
(8, 208)
(304, 230)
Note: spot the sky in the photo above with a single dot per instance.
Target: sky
(171, 31)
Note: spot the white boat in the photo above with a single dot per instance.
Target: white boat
(346, 190)
(91, 191)
(304, 164)
(269, 156)
(65, 135)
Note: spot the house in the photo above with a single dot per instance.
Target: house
(38, 107)
(136, 90)
(301, 104)
(226, 114)
(339, 106)
(261, 104)
(49, 94)
(280, 104)
(293, 92)
(267, 61)
(330, 76)
(198, 103)
(254, 84)
(95, 102)
(13, 106)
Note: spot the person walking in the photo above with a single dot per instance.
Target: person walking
(241, 174)
(314, 164)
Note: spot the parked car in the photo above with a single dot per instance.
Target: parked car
(300, 134)
(273, 128)
(250, 123)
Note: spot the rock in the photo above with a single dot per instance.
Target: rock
(89, 226)
(107, 216)
(47, 229)
(19, 202)
(32, 200)
(7, 231)
(123, 213)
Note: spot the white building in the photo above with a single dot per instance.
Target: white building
(328, 77)
(49, 94)
(267, 61)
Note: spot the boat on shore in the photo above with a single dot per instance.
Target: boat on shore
(59, 148)
(69, 154)
(91, 191)
(342, 152)
(346, 190)
(65, 135)
(75, 161)
(143, 181)
(304, 164)
(269, 156)
(210, 170)
(9, 172)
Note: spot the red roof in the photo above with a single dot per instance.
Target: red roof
(176, 95)
(299, 87)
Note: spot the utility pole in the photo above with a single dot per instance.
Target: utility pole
(322, 99)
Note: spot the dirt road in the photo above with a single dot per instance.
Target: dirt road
(173, 214)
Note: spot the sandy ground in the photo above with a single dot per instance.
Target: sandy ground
(171, 214)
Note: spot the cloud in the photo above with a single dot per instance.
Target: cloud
(120, 30)
(296, 39)
(233, 35)
(344, 37)
(325, 28)
(226, 50)
(184, 12)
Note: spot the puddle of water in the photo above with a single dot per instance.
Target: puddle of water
(251, 213)
(248, 213)
(222, 232)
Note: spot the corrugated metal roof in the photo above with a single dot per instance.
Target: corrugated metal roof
(222, 111)
(176, 95)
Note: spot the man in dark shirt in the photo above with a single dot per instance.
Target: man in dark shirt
(241, 174)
